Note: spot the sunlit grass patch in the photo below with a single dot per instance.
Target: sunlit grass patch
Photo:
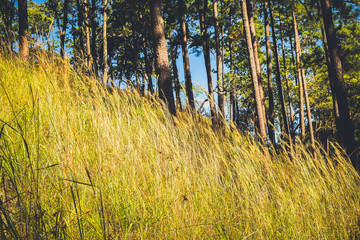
(79, 162)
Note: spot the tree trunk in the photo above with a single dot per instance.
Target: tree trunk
(220, 83)
(331, 79)
(299, 67)
(259, 107)
(308, 110)
(7, 18)
(185, 55)
(161, 56)
(291, 121)
(271, 114)
(87, 33)
(137, 78)
(148, 67)
(174, 56)
(9, 41)
(255, 43)
(79, 5)
(93, 37)
(105, 50)
(63, 31)
(278, 75)
(345, 124)
(232, 84)
(23, 30)
(206, 52)
(176, 80)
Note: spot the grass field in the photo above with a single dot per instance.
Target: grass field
(78, 162)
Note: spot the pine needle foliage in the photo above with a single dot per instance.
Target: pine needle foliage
(81, 162)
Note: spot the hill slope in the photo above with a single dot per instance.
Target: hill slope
(79, 163)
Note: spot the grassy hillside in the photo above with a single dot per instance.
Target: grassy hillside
(79, 163)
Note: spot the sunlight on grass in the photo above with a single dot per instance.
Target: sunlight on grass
(79, 162)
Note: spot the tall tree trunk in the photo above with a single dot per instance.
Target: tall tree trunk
(63, 31)
(93, 37)
(143, 79)
(331, 79)
(148, 65)
(111, 76)
(308, 110)
(345, 123)
(105, 49)
(278, 75)
(79, 4)
(255, 43)
(259, 107)
(206, 52)
(185, 55)
(302, 87)
(271, 115)
(220, 82)
(138, 83)
(161, 56)
(148, 68)
(7, 18)
(232, 84)
(299, 67)
(9, 40)
(23, 30)
(293, 58)
(176, 79)
(174, 56)
(291, 121)
(87, 33)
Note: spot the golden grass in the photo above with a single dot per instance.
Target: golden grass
(77, 162)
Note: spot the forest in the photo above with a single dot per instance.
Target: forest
(106, 133)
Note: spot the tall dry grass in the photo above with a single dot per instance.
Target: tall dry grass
(78, 162)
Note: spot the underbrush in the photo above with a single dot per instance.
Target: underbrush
(78, 162)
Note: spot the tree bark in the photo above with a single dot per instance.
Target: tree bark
(7, 16)
(176, 80)
(23, 30)
(299, 74)
(137, 78)
(255, 43)
(271, 115)
(259, 107)
(345, 124)
(93, 37)
(63, 31)
(206, 52)
(174, 56)
(148, 66)
(331, 80)
(278, 75)
(80, 17)
(220, 82)
(308, 110)
(232, 84)
(105, 49)
(291, 121)
(185, 55)
(161, 56)
(87, 33)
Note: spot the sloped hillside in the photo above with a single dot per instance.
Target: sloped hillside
(78, 162)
